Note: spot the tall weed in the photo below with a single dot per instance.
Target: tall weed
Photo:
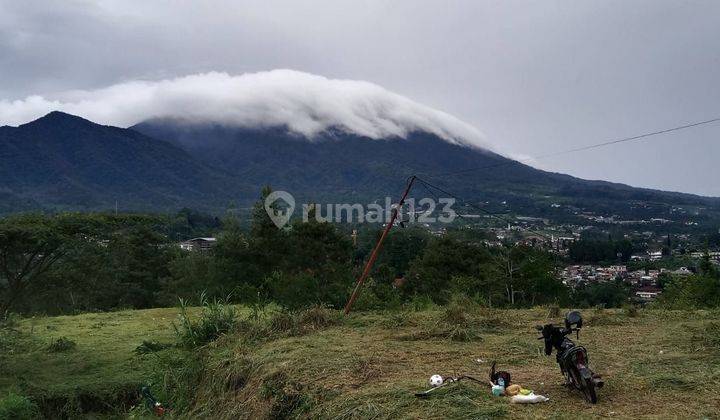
(216, 318)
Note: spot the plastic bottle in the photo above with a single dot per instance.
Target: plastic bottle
(499, 388)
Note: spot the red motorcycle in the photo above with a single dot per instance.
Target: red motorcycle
(573, 359)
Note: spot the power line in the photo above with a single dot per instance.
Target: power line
(582, 148)
(563, 152)
(626, 139)
(428, 185)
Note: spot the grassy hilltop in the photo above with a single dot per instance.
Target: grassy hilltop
(317, 364)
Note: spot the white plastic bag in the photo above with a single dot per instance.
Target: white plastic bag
(528, 399)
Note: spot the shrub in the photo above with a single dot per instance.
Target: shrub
(15, 406)
(461, 320)
(455, 315)
(601, 316)
(631, 311)
(8, 321)
(289, 323)
(492, 321)
(462, 333)
(216, 318)
(318, 317)
(553, 311)
(292, 291)
(456, 324)
(396, 319)
(283, 322)
(420, 303)
(258, 309)
(60, 345)
(368, 299)
(251, 330)
(443, 330)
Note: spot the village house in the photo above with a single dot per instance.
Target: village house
(714, 255)
(682, 271)
(648, 293)
(198, 244)
(574, 275)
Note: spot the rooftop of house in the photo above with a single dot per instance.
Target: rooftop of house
(202, 240)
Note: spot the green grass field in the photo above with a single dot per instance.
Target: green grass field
(659, 364)
(101, 372)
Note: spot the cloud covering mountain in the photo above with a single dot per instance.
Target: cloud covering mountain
(305, 103)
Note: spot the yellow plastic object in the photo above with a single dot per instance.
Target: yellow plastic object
(513, 390)
(524, 391)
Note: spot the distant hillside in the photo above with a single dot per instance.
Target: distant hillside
(337, 165)
(61, 161)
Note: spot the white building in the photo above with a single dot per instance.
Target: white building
(198, 244)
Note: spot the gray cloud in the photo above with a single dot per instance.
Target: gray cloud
(535, 76)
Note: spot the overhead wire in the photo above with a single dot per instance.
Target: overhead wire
(581, 148)
(428, 187)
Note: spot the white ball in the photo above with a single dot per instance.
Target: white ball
(436, 380)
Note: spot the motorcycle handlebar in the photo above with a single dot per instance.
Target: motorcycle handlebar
(564, 331)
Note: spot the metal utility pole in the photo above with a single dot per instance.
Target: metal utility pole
(376, 250)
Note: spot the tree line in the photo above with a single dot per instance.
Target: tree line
(68, 263)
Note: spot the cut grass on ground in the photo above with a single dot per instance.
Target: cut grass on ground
(369, 365)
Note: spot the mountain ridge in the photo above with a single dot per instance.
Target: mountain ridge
(61, 161)
(64, 161)
(187, 135)
(180, 129)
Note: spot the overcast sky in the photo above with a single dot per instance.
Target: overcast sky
(534, 76)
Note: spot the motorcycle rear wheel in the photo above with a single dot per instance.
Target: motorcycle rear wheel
(588, 388)
(585, 384)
